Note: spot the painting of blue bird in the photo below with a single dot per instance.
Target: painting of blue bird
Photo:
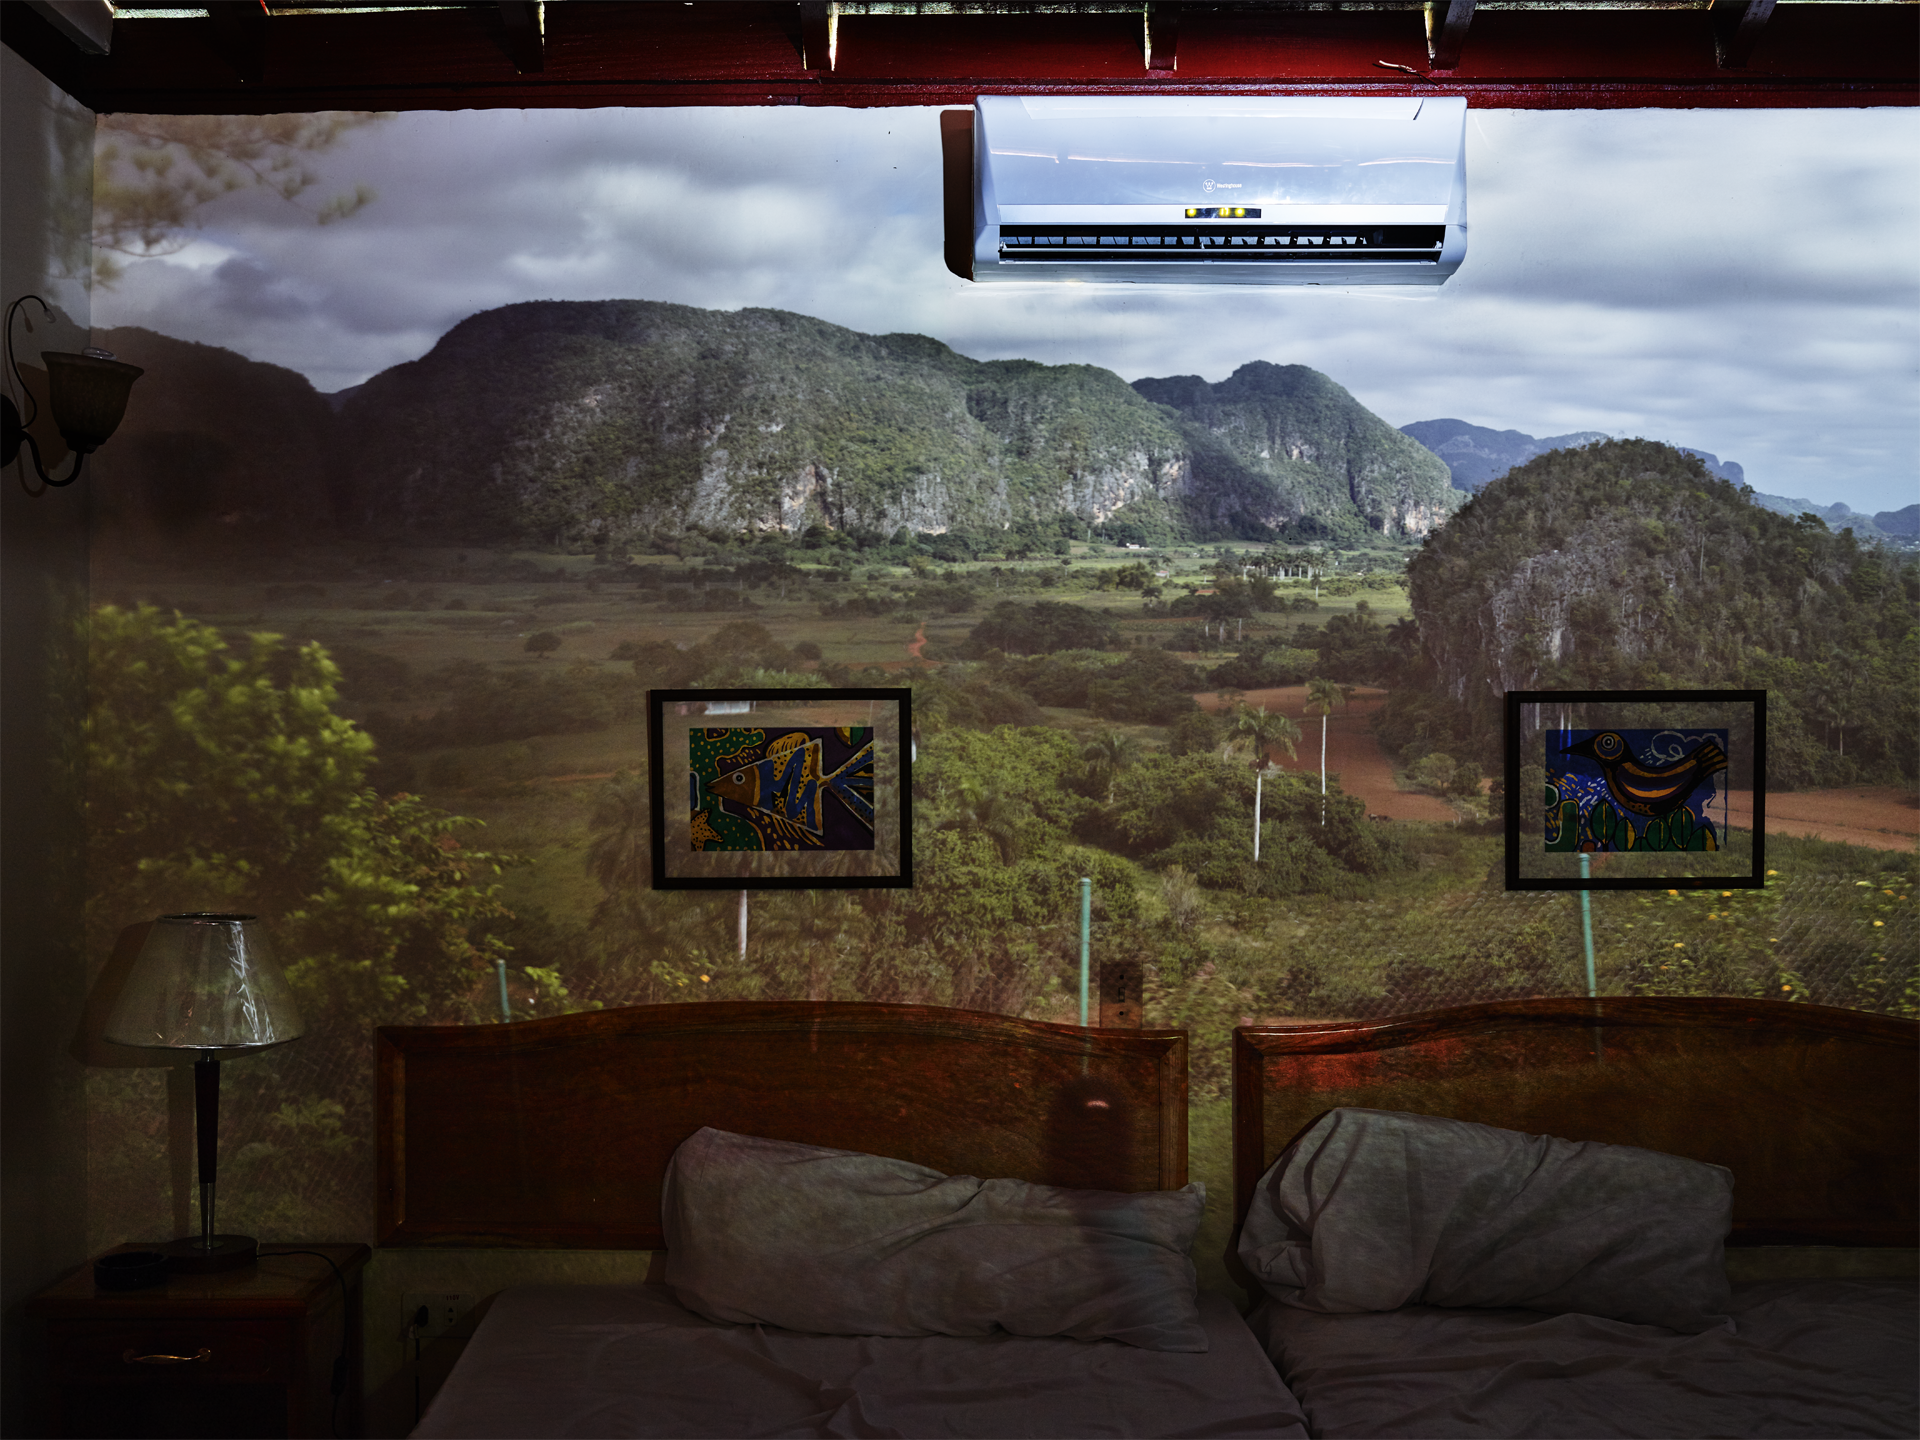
(1645, 787)
(1626, 788)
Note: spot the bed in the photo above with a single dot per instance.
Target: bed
(559, 1133)
(1808, 1113)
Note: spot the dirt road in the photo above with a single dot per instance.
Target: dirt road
(1352, 752)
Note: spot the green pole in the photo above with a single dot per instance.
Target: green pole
(1086, 939)
(1586, 926)
(506, 1010)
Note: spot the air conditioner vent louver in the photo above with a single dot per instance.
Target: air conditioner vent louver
(1031, 244)
(1213, 189)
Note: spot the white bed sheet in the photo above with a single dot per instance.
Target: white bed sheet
(1821, 1358)
(628, 1360)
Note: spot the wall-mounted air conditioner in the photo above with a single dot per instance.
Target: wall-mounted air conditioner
(1213, 190)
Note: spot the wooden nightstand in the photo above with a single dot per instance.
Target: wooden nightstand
(247, 1352)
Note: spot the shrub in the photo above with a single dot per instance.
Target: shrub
(1043, 628)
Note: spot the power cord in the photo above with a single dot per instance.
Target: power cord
(338, 1384)
(419, 1323)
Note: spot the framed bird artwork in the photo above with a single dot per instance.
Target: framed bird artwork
(780, 789)
(1635, 789)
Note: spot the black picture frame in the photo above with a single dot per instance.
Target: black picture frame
(677, 866)
(1743, 713)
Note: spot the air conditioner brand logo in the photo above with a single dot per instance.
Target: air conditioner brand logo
(1212, 185)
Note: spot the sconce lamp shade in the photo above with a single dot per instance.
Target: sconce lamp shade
(89, 396)
(86, 392)
(205, 982)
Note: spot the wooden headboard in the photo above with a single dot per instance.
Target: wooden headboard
(1816, 1111)
(556, 1133)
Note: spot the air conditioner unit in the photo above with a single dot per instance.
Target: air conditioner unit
(1237, 190)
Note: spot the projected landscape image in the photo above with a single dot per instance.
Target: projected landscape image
(410, 512)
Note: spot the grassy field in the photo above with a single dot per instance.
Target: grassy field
(1834, 926)
(424, 611)
(402, 622)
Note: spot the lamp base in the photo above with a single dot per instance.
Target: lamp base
(190, 1255)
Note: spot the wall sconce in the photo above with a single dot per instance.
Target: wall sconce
(88, 393)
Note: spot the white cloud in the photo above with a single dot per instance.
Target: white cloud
(1743, 282)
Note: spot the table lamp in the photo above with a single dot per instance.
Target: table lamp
(206, 982)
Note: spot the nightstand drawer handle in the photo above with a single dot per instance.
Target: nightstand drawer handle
(203, 1355)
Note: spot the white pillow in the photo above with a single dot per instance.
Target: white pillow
(1373, 1209)
(839, 1243)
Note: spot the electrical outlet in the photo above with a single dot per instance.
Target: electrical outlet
(445, 1310)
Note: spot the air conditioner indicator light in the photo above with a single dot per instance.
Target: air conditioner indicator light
(1222, 212)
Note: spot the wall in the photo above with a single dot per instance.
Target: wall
(46, 149)
(431, 630)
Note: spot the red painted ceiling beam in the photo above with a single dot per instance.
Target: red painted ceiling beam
(607, 54)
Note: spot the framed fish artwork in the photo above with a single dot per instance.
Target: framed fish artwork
(1636, 789)
(781, 789)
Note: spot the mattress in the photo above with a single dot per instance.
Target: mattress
(1831, 1357)
(618, 1360)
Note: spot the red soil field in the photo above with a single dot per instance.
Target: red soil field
(1879, 817)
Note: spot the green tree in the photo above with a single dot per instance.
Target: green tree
(542, 643)
(1107, 754)
(154, 174)
(620, 852)
(1434, 772)
(646, 945)
(982, 806)
(225, 781)
(219, 782)
(801, 932)
(1044, 627)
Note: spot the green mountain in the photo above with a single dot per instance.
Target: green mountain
(1838, 516)
(1904, 522)
(1282, 448)
(570, 421)
(214, 448)
(1625, 565)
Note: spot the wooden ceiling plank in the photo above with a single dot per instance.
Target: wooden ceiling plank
(1737, 27)
(818, 23)
(1447, 22)
(990, 48)
(237, 32)
(523, 36)
(612, 54)
(1163, 35)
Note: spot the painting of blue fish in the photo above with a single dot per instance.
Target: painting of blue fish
(781, 788)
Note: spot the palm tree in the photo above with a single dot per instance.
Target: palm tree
(805, 929)
(986, 808)
(1108, 753)
(620, 854)
(1260, 730)
(636, 929)
(1321, 694)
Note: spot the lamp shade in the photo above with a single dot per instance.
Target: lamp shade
(89, 396)
(205, 982)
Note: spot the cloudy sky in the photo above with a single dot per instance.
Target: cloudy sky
(1745, 283)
